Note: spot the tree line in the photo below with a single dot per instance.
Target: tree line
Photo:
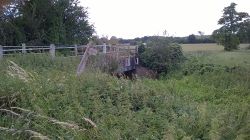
(191, 39)
(43, 22)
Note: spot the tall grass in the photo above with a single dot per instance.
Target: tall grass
(213, 104)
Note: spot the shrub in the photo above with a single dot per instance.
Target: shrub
(161, 56)
(193, 66)
(231, 42)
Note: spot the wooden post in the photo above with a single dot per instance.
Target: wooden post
(1, 52)
(24, 48)
(104, 48)
(76, 50)
(81, 66)
(52, 50)
(117, 53)
(137, 61)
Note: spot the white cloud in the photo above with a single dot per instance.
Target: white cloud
(136, 18)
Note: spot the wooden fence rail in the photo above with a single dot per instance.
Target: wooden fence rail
(23, 49)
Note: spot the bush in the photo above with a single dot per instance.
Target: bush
(161, 56)
(231, 43)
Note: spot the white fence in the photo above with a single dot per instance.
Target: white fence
(10, 50)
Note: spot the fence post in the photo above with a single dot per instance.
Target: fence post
(52, 50)
(24, 48)
(1, 52)
(104, 48)
(76, 50)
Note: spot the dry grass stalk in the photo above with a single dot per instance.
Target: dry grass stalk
(65, 125)
(33, 134)
(15, 71)
(36, 135)
(9, 129)
(21, 109)
(9, 112)
(90, 122)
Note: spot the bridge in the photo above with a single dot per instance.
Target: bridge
(126, 56)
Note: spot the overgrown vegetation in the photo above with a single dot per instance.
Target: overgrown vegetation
(160, 55)
(205, 97)
(208, 102)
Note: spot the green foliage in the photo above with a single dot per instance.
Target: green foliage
(141, 48)
(229, 41)
(10, 34)
(180, 40)
(43, 22)
(193, 66)
(191, 38)
(212, 105)
(244, 32)
(233, 27)
(161, 56)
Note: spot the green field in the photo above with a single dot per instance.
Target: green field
(207, 98)
(206, 47)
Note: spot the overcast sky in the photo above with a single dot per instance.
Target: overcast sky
(137, 18)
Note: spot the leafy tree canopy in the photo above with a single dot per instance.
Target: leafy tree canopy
(192, 38)
(232, 24)
(42, 22)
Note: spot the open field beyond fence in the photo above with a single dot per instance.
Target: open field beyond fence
(206, 47)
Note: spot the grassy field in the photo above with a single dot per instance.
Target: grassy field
(208, 98)
(206, 47)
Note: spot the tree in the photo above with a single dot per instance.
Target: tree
(191, 38)
(201, 33)
(113, 40)
(244, 32)
(231, 22)
(43, 22)
(201, 37)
